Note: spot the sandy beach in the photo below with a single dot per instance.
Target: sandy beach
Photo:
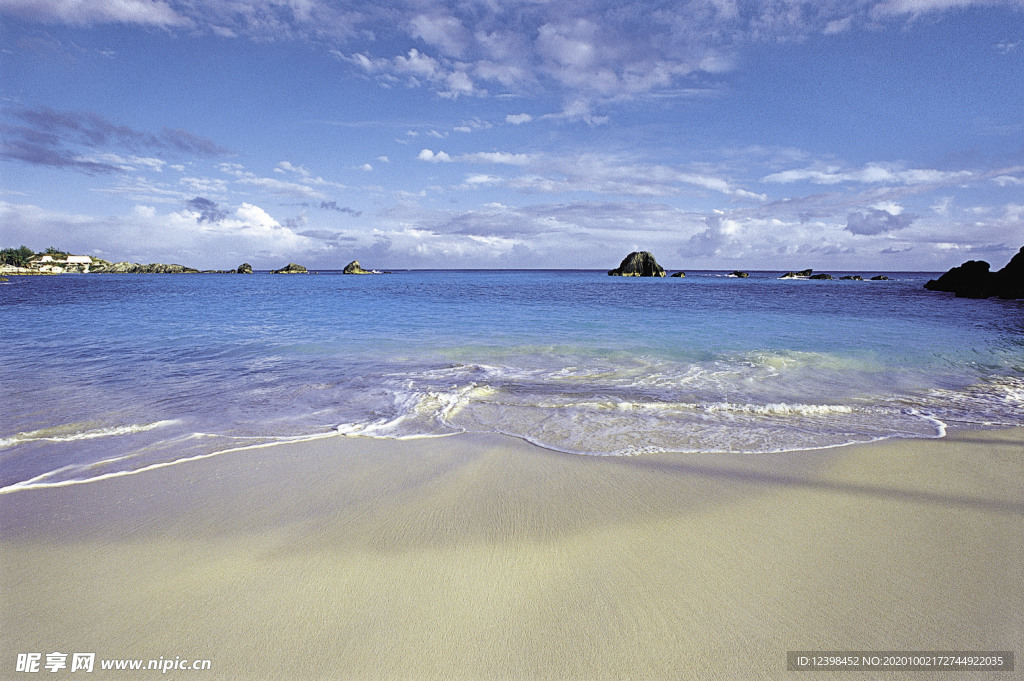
(482, 557)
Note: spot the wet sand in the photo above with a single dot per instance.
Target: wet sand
(482, 557)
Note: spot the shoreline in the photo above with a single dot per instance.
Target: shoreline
(942, 429)
(482, 556)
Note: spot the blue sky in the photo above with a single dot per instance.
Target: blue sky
(837, 135)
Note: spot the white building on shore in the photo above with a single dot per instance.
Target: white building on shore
(58, 265)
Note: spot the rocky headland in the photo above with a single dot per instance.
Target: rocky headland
(136, 268)
(974, 280)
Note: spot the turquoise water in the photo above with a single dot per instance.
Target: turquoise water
(111, 373)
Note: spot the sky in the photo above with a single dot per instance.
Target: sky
(840, 135)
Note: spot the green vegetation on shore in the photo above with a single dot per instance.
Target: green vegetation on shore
(18, 257)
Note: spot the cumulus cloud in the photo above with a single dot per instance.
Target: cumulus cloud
(431, 157)
(247, 233)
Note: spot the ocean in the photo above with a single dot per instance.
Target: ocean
(111, 374)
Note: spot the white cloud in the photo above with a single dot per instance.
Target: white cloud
(149, 12)
(125, 163)
(869, 174)
(204, 185)
(497, 158)
(145, 235)
(481, 180)
(518, 119)
(919, 7)
(305, 184)
(286, 166)
(444, 32)
(431, 157)
(282, 188)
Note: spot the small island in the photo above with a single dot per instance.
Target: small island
(291, 268)
(638, 264)
(354, 268)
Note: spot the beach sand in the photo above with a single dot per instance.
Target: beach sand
(482, 557)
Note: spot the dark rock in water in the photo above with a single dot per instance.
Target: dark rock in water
(354, 268)
(879, 277)
(820, 276)
(1009, 281)
(638, 264)
(973, 280)
(855, 277)
(970, 280)
(739, 275)
(244, 268)
(291, 268)
(796, 275)
(679, 275)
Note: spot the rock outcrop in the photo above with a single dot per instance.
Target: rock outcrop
(854, 277)
(974, 280)
(802, 274)
(820, 276)
(354, 268)
(879, 277)
(291, 268)
(136, 268)
(244, 268)
(679, 275)
(740, 275)
(638, 264)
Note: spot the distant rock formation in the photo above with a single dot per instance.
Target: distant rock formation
(244, 268)
(680, 275)
(354, 268)
(136, 268)
(820, 276)
(802, 274)
(638, 264)
(879, 277)
(291, 268)
(855, 277)
(739, 275)
(973, 280)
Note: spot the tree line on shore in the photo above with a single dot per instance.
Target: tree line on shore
(20, 257)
